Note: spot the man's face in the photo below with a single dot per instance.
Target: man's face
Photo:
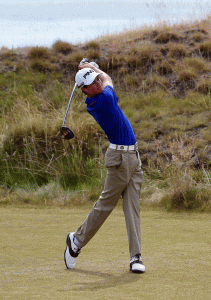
(93, 89)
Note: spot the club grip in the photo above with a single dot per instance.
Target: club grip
(84, 60)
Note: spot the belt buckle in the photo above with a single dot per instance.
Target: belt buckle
(121, 147)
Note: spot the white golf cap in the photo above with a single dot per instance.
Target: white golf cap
(85, 77)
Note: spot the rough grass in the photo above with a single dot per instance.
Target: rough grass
(62, 47)
(175, 250)
(162, 77)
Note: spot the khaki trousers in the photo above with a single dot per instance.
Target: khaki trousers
(124, 178)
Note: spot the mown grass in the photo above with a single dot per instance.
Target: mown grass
(162, 78)
(175, 251)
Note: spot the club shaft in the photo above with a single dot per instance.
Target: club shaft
(84, 60)
(69, 104)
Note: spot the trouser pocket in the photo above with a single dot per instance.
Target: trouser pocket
(113, 158)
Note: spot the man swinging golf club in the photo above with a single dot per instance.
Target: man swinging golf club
(124, 173)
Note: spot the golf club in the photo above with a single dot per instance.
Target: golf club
(66, 133)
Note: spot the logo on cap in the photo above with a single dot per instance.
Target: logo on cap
(87, 73)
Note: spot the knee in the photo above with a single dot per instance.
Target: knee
(106, 203)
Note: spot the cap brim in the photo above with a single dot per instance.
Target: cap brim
(90, 81)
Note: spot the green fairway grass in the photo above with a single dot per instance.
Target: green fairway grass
(176, 250)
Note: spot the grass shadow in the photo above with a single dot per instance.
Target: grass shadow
(104, 280)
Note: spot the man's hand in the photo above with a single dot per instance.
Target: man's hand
(88, 65)
(105, 78)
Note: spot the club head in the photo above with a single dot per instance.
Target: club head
(66, 133)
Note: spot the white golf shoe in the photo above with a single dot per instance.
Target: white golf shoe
(136, 264)
(71, 252)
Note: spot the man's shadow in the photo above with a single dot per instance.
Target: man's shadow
(107, 280)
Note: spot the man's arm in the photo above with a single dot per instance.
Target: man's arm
(105, 78)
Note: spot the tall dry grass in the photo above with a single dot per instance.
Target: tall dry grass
(162, 78)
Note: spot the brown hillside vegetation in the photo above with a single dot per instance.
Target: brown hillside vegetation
(162, 75)
(175, 58)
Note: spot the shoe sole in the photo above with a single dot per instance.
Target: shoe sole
(137, 271)
(65, 258)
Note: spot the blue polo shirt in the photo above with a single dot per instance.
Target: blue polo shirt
(105, 110)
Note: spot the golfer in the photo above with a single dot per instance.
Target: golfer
(124, 173)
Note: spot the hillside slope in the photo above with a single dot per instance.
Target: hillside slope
(175, 58)
(162, 76)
